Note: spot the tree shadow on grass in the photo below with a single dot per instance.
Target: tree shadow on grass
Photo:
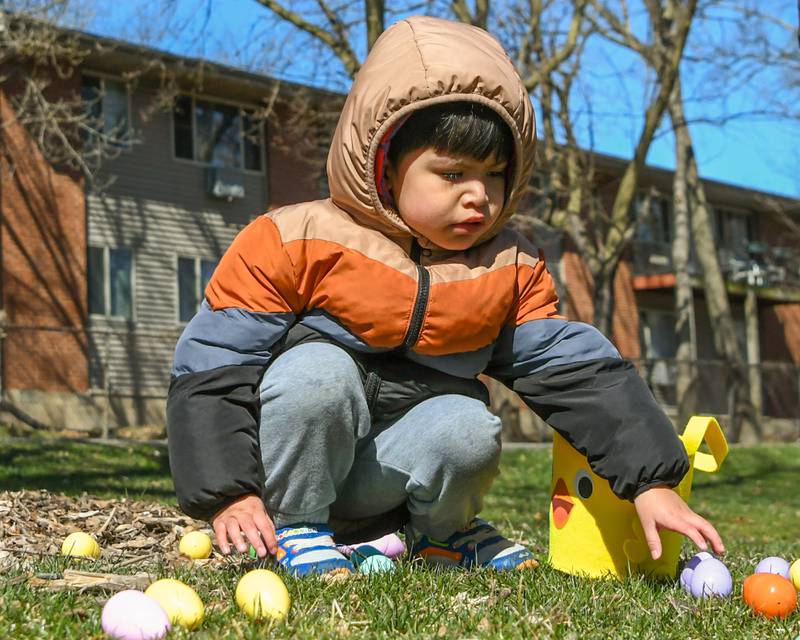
(72, 469)
(748, 467)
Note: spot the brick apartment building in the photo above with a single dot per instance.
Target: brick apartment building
(96, 287)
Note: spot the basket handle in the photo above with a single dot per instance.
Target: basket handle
(698, 429)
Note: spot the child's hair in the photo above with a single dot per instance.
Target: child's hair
(460, 128)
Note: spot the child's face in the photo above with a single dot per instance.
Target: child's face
(451, 200)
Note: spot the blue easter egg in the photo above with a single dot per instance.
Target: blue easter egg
(376, 564)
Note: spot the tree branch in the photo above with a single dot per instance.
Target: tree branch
(553, 61)
(375, 24)
(336, 40)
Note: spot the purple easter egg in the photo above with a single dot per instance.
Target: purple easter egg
(691, 565)
(711, 578)
(775, 565)
(686, 579)
(698, 558)
(132, 615)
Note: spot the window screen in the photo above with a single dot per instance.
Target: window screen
(219, 135)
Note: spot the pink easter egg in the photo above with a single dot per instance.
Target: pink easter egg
(132, 615)
(389, 545)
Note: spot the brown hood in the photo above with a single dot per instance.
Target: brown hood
(416, 63)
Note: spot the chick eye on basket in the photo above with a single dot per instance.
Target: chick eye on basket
(584, 486)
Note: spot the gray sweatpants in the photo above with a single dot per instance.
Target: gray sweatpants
(324, 457)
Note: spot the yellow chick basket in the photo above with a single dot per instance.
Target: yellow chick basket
(593, 533)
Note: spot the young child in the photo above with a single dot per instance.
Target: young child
(330, 377)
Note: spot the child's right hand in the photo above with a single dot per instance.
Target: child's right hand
(245, 517)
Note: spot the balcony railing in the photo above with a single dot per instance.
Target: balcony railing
(779, 385)
(771, 266)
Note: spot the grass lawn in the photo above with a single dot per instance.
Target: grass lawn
(754, 502)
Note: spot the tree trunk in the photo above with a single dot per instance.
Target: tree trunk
(604, 299)
(374, 12)
(685, 381)
(726, 343)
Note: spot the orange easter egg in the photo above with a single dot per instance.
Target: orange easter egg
(770, 595)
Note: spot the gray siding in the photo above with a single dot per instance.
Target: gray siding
(158, 206)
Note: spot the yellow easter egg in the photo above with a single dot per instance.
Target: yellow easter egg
(196, 545)
(80, 545)
(794, 572)
(180, 602)
(262, 594)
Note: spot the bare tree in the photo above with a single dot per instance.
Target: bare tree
(692, 213)
(664, 51)
(37, 63)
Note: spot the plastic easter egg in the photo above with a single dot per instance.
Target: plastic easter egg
(368, 559)
(180, 602)
(686, 579)
(389, 545)
(711, 578)
(775, 565)
(770, 595)
(131, 615)
(262, 594)
(698, 558)
(752, 584)
(794, 573)
(688, 571)
(376, 564)
(195, 545)
(80, 545)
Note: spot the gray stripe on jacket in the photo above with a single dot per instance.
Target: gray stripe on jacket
(226, 337)
(550, 342)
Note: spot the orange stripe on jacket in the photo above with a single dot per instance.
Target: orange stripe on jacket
(374, 301)
(255, 273)
(488, 298)
(537, 297)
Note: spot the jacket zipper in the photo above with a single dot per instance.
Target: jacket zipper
(421, 303)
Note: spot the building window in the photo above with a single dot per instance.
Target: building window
(108, 109)
(111, 282)
(734, 231)
(659, 348)
(654, 220)
(217, 134)
(658, 334)
(193, 276)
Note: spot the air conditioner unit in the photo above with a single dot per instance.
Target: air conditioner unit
(227, 184)
(658, 259)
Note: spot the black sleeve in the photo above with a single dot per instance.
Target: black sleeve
(604, 409)
(212, 429)
(573, 378)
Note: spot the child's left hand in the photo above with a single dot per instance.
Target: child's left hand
(662, 508)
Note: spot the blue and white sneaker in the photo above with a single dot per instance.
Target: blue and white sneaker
(309, 549)
(477, 545)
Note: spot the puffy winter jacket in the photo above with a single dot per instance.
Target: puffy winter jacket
(418, 323)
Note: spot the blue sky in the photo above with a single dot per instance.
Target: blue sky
(761, 153)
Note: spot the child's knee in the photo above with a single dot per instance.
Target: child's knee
(472, 445)
(318, 373)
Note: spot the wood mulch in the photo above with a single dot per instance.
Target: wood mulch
(131, 533)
